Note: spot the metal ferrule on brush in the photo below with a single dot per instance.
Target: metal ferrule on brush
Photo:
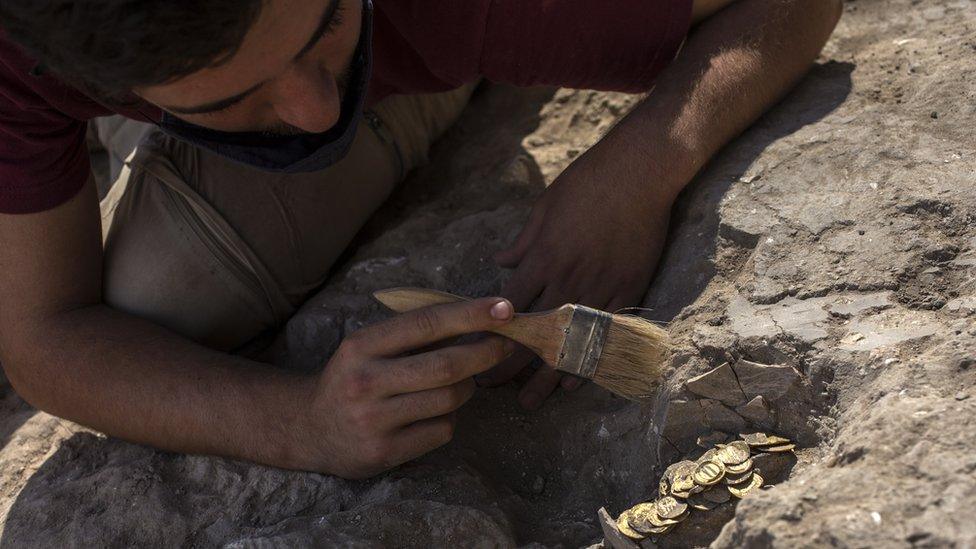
(583, 345)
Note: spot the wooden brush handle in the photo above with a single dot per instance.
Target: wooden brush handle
(540, 332)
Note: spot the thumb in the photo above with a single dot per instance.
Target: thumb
(512, 256)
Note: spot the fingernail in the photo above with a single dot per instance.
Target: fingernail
(502, 310)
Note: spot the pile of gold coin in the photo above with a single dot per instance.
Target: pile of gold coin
(723, 472)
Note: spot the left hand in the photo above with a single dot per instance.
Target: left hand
(594, 238)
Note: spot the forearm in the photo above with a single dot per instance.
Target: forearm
(733, 67)
(134, 380)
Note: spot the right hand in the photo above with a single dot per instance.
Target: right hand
(375, 406)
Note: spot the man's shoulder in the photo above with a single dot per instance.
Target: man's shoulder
(26, 88)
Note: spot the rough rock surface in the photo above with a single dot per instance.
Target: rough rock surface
(837, 237)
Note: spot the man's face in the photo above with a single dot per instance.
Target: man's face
(289, 75)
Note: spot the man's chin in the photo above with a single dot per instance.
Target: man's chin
(284, 130)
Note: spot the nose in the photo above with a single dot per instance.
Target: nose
(307, 97)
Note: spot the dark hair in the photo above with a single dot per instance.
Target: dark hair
(110, 47)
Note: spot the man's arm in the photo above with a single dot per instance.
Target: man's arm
(68, 354)
(735, 65)
(615, 200)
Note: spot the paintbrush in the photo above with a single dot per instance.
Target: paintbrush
(623, 354)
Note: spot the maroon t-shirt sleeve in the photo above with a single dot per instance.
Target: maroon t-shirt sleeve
(43, 155)
(618, 45)
(610, 45)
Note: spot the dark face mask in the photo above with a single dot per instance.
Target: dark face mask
(292, 153)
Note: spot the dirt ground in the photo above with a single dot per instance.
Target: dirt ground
(837, 239)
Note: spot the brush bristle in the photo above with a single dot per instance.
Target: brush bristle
(633, 357)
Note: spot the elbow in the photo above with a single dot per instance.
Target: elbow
(16, 371)
(835, 9)
(815, 20)
(22, 369)
(831, 14)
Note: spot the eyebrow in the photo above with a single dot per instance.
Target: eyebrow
(221, 104)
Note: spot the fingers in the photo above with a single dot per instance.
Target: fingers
(413, 407)
(429, 325)
(422, 437)
(545, 380)
(513, 255)
(443, 367)
(507, 369)
(523, 287)
(542, 383)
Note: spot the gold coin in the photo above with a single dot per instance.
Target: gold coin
(662, 530)
(669, 473)
(685, 468)
(780, 448)
(682, 484)
(710, 455)
(643, 517)
(670, 508)
(739, 469)
(699, 502)
(762, 439)
(738, 480)
(655, 520)
(623, 524)
(718, 494)
(734, 453)
(709, 473)
(741, 492)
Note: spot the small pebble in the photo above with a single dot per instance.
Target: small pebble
(961, 396)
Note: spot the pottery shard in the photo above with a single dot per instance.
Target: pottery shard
(757, 411)
(612, 538)
(721, 417)
(719, 384)
(684, 418)
(771, 381)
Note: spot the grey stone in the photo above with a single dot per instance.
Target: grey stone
(746, 320)
(774, 467)
(721, 417)
(757, 411)
(965, 305)
(803, 319)
(848, 306)
(719, 384)
(771, 381)
(870, 335)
